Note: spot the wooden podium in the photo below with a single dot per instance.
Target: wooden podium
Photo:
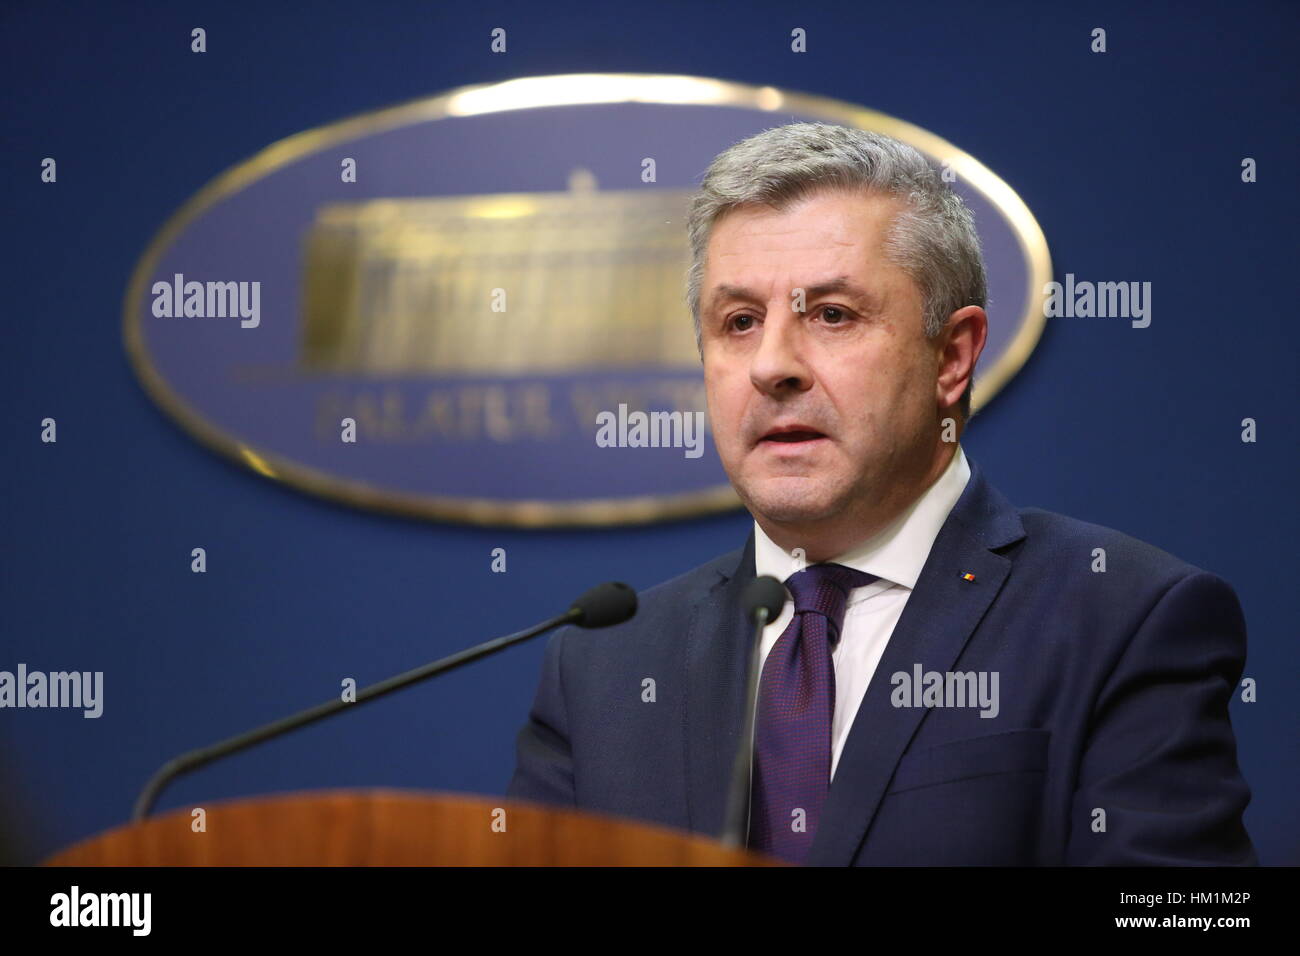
(396, 828)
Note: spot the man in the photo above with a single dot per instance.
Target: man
(954, 681)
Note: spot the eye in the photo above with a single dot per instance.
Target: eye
(833, 314)
(736, 322)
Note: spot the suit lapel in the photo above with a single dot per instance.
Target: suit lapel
(935, 625)
(717, 649)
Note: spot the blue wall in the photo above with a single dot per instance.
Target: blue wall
(1130, 160)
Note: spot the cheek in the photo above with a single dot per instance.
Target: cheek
(872, 389)
(729, 413)
(725, 410)
(724, 389)
(903, 371)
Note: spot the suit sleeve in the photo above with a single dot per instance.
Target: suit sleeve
(1160, 758)
(544, 758)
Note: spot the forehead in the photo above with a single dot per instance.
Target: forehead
(831, 241)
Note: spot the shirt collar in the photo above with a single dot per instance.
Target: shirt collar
(899, 551)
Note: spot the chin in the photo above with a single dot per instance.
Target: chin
(790, 500)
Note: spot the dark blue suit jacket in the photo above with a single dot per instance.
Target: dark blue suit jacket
(1114, 690)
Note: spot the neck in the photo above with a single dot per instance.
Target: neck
(826, 538)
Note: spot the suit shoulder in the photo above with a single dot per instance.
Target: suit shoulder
(1048, 532)
(1061, 553)
(659, 609)
(691, 583)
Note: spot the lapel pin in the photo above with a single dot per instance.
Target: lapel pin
(967, 576)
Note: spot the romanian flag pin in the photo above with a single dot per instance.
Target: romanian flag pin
(967, 576)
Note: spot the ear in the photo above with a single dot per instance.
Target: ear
(960, 344)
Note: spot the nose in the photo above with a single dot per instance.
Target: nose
(778, 367)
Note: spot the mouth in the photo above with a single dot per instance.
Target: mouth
(792, 435)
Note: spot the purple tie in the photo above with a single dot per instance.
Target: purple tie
(796, 699)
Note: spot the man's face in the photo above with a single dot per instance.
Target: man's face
(853, 373)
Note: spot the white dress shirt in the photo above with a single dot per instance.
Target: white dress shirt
(896, 556)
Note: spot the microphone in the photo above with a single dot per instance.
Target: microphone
(606, 604)
(763, 601)
(602, 606)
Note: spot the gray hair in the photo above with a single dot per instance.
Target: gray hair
(934, 240)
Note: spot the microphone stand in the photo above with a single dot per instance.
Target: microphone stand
(205, 755)
(735, 831)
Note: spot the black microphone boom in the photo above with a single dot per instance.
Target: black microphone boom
(763, 602)
(602, 606)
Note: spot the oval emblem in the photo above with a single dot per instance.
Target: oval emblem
(448, 308)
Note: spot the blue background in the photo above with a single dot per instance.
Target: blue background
(1130, 160)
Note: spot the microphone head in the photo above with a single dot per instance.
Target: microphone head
(765, 593)
(610, 603)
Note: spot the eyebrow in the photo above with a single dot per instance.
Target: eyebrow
(841, 284)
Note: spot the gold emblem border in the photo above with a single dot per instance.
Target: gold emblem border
(547, 91)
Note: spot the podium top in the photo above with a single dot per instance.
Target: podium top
(395, 828)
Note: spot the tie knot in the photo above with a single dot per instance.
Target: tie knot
(824, 589)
